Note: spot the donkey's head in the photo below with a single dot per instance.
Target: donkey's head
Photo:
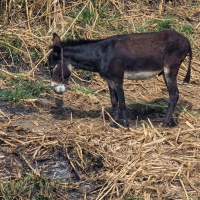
(59, 66)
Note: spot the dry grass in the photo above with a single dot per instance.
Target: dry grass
(145, 162)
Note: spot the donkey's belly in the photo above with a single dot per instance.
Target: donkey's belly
(142, 75)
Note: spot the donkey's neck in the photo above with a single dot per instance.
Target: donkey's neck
(87, 56)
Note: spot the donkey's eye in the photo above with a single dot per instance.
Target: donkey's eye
(52, 65)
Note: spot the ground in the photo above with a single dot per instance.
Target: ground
(67, 137)
(62, 146)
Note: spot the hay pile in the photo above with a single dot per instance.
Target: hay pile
(145, 162)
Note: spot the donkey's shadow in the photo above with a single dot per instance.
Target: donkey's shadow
(65, 113)
(154, 111)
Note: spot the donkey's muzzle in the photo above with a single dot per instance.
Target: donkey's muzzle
(58, 88)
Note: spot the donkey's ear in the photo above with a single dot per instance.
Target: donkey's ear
(56, 39)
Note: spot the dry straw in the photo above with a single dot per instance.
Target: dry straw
(145, 162)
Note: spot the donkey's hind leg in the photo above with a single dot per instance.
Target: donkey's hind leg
(170, 77)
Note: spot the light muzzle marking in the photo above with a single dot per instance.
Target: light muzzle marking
(59, 88)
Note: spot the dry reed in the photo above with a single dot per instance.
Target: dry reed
(147, 161)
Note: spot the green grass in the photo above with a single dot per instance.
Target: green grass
(21, 88)
(18, 1)
(165, 23)
(104, 9)
(168, 22)
(86, 16)
(187, 29)
(142, 29)
(12, 45)
(15, 42)
(86, 73)
(30, 187)
(133, 198)
(135, 102)
(34, 54)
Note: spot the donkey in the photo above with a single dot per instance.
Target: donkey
(136, 56)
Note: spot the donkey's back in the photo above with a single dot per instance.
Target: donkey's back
(144, 55)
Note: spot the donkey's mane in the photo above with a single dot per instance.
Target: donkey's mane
(71, 42)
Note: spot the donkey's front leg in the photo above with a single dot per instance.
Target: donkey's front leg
(122, 105)
(114, 102)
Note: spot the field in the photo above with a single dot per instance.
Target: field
(62, 146)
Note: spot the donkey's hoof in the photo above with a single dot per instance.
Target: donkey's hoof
(172, 123)
(114, 125)
(126, 124)
(164, 125)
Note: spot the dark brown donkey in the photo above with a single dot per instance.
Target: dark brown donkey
(135, 56)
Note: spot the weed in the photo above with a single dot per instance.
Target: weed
(104, 9)
(141, 29)
(15, 42)
(34, 54)
(86, 16)
(20, 88)
(168, 22)
(86, 74)
(133, 198)
(19, 1)
(87, 160)
(11, 45)
(187, 29)
(31, 187)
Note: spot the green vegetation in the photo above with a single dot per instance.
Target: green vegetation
(86, 74)
(30, 187)
(141, 103)
(133, 198)
(86, 16)
(104, 9)
(11, 46)
(15, 42)
(165, 23)
(141, 29)
(19, 1)
(187, 29)
(21, 88)
(168, 22)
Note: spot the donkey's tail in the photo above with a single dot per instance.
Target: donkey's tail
(187, 77)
